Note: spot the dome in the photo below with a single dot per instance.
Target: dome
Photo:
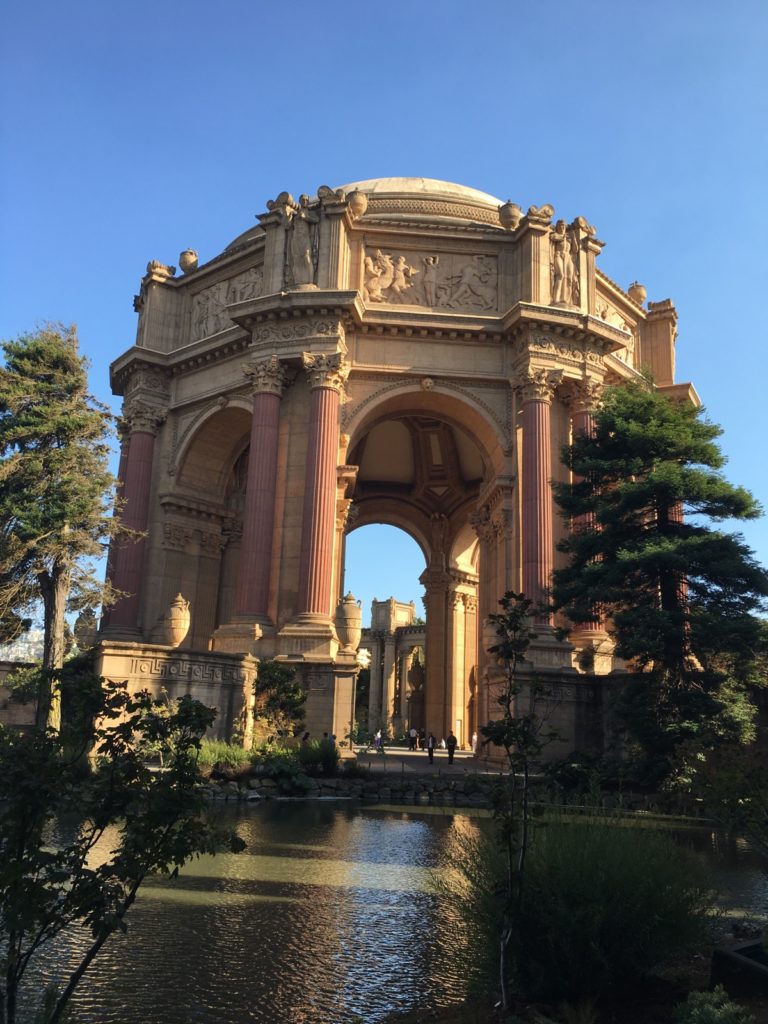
(426, 198)
(414, 199)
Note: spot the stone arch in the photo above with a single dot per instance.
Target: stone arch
(210, 447)
(388, 514)
(459, 408)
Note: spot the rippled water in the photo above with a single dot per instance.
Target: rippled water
(327, 917)
(328, 914)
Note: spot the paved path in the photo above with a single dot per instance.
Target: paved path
(401, 761)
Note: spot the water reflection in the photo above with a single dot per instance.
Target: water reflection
(328, 914)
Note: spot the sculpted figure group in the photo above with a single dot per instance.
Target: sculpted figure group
(389, 278)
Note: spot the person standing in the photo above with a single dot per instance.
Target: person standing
(451, 745)
(431, 744)
(413, 736)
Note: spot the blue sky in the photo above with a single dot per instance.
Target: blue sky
(134, 130)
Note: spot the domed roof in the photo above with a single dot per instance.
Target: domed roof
(414, 199)
(426, 198)
(426, 187)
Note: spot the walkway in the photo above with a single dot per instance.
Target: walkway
(402, 761)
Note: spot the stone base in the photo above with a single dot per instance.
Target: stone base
(330, 703)
(593, 652)
(546, 651)
(308, 638)
(221, 680)
(237, 637)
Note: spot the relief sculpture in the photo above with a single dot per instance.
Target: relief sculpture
(208, 308)
(451, 281)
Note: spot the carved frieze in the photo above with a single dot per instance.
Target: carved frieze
(178, 537)
(149, 382)
(188, 669)
(268, 375)
(436, 281)
(564, 351)
(326, 370)
(209, 306)
(275, 332)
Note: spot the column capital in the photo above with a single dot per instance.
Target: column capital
(537, 384)
(268, 376)
(326, 370)
(583, 396)
(141, 416)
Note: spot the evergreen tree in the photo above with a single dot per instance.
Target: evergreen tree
(55, 491)
(680, 594)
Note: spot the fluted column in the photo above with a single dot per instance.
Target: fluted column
(124, 436)
(327, 374)
(537, 389)
(585, 396)
(388, 710)
(269, 378)
(143, 422)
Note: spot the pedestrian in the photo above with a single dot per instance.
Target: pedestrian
(451, 745)
(474, 742)
(377, 739)
(431, 744)
(305, 738)
(413, 736)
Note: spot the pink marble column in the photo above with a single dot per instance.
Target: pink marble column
(125, 438)
(269, 379)
(586, 394)
(327, 374)
(538, 538)
(144, 422)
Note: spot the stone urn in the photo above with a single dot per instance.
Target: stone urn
(188, 261)
(358, 204)
(638, 292)
(349, 622)
(85, 629)
(510, 215)
(176, 622)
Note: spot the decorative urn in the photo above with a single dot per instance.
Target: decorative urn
(638, 292)
(176, 622)
(85, 629)
(358, 204)
(188, 261)
(349, 622)
(510, 215)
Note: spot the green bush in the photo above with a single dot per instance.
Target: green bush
(319, 755)
(711, 1008)
(602, 906)
(219, 755)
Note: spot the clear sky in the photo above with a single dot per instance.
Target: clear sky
(134, 130)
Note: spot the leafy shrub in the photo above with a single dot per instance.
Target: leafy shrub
(270, 762)
(219, 755)
(319, 755)
(711, 1008)
(352, 769)
(602, 906)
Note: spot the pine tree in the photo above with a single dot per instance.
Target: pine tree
(56, 494)
(680, 594)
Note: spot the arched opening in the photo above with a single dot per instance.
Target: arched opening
(424, 470)
(385, 560)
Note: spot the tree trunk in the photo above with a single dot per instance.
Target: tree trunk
(54, 587)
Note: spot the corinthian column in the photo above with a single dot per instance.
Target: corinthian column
(537, 388)
(584, 397)
(327, 375)
(268, 378)
(143, 422)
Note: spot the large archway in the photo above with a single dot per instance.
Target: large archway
(423, 470)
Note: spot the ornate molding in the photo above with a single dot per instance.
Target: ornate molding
(276, 332)
(326, 370)
(583, 395)
(140, 416)
(538, 385)
(268, 376)
(577, 355)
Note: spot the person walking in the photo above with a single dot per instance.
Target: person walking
(413, 736)
(451, 745)
(431, 744)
